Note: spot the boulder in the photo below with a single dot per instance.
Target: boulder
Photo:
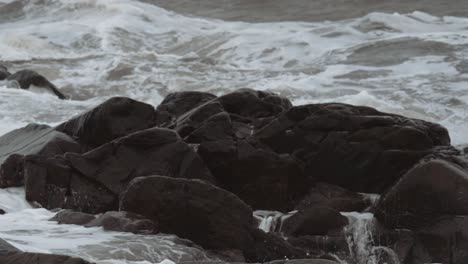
(115, 118)
(428, 192)
(39, 258)
(192, 209)
(11, 255)
(72, 218)
(209, 216)
(27, 78)
(431, 200)
(124, 222)
(177, 104)
(263, 179)
(30, 140)
(358, 148)
(4, 73)
(92, 182)
(314, 221)
(336, 197)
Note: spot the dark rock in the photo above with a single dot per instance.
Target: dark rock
(217, 127)
(328, 195)
(424, 195)
(2, 212)
(38, 258)
(263, 179)
(7, 249)
(322, 245)
(92, 182)
(201, 212)
(252, 104)
(431, 201)
(26, 78)
(72, 218)
(52, 183)
(11, 255)
(358, 148)
(124, 222)
(4, 73)
(177, 104)
(314, 221)
(269, 247)
(115, 118)
(32, 139)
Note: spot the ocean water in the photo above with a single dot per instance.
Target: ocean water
(399, 59)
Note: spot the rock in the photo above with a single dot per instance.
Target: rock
(328, 195)
(52, 183)
(192, 209)
(72, 218)
(358, 148)
(318, 246)
(269, 247)
(314, 221)
(177, 104)
(430, 200)
(2, 212)
(253, 104)
(92, 182)
(11, 255)
(263, 179)
(38, 258)
(115, 118)
(32, 139)
(424, 195)
(26, 78)
(124, 222)
(4, 73)
(7, 249)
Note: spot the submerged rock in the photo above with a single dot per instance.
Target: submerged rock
(27, 78)
(72, 218)
(124, 222)
(4, 73)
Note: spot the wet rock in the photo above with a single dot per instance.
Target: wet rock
(124, 222)
(263, 179)
(26, 78)
(4, 73)
(32, 139)
(314, 221)
(7, 249)
(209, 216)
(91, 182)
(426, 193)
(358, 148)
(177, 104)
(52, 183)
(318, 246)
(431, 201)
(115, 118)
(2, 212)
(11, 255)
(72, 218)
(193, 209)
(38, 258)
(253, 104)
(328, 195)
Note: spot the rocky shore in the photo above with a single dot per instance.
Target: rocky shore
(198, 166)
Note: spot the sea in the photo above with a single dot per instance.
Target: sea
(404, 57)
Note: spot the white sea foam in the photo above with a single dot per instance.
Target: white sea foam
(411, 64)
